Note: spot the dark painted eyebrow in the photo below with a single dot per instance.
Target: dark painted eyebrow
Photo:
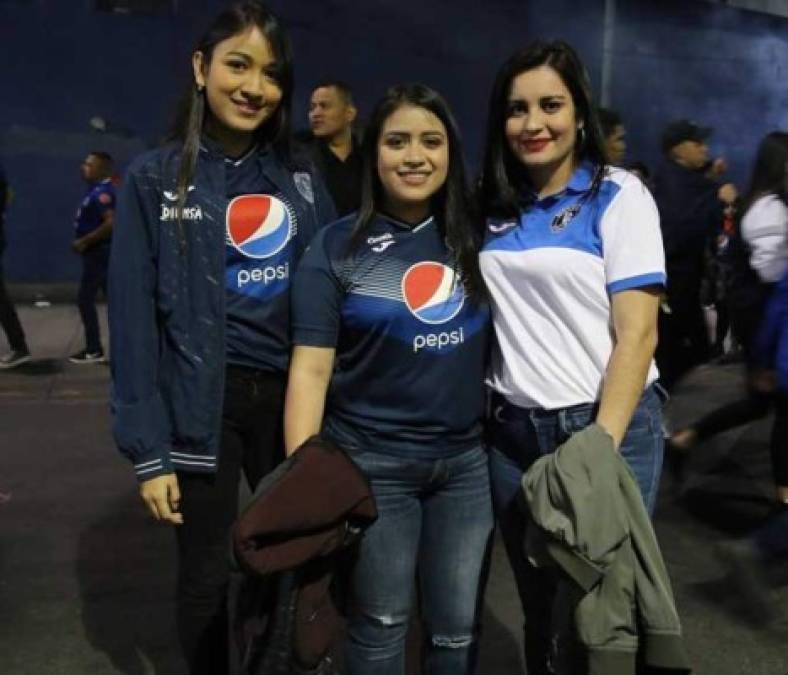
(244, 56)
(395, 132)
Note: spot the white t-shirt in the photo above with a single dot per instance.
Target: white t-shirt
(550, 275)
(765, 228)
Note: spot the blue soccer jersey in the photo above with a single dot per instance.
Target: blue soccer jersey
(99, 199)
(410, 346)
(551, 274)
(261, 249)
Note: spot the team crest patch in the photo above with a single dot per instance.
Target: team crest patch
(563, 219)
(303, 182)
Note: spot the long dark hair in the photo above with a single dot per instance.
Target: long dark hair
(770, 173)
(452, 205)
(503, 175)
(190, 120)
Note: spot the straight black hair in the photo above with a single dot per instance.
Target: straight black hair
(452, 205)
(503, 175)
(191, 117)
(770, 173)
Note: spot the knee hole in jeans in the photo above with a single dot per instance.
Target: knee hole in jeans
(452, 641)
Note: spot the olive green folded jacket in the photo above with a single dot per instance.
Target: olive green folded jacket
(590, 521)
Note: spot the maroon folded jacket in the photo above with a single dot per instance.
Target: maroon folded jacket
(305, 509)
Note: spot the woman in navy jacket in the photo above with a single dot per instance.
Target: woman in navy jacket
(209, 229)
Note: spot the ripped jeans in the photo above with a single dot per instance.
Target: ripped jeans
(434, 516)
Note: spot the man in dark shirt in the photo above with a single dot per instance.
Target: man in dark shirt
(19, 353)
(331, 117)
(691, 203)
(92, 231)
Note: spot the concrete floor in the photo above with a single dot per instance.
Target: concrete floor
(86, 579)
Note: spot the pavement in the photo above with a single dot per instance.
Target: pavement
(86, 579)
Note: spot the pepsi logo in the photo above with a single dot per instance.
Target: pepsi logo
(258, 225)
(432, 291)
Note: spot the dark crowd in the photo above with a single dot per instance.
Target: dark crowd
(399, 357)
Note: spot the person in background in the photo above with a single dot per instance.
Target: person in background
(574, 266)
(9, 320)
(758, 259)
(691, 204)
(332, 114)
(614, 134)
(209, 229)
(391, 331)
(92, 236)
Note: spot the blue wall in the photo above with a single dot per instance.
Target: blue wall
(722, 67)
(64, 63)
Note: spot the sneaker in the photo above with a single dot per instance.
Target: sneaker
(14, 358)
(87, 357)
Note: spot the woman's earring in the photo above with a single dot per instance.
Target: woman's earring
(200, 88)
(581, 136)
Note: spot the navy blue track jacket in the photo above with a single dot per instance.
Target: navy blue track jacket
(167, 304)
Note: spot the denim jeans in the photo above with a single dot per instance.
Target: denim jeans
(434, 516)
(518, 437)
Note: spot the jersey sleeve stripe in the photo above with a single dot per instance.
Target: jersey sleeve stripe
(651, 279)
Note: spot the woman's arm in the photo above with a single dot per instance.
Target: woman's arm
(141, 427)
(635, 334)
(310, 373)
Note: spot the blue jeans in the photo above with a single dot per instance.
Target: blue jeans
(518, 437)
(434, 516)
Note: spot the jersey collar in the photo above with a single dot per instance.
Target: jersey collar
(580, 182)
(401, 225)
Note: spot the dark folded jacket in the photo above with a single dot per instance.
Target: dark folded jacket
(591, 522)
(315, 504)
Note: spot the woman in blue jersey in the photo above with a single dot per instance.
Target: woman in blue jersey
(209, 228)
(574, 267)
(390, 331)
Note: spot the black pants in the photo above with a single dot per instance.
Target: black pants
(9, 319)
(683, 339)
(94, 277)
(746, 321)
(252, 441)
(749, 409)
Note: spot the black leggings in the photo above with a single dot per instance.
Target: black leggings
(252, 441)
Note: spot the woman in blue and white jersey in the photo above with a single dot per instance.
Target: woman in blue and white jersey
(208, 230)
(391, 333)
(574, 265)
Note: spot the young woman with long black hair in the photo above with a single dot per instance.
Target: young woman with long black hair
(209, 229)
(574, 266)
(390, 331)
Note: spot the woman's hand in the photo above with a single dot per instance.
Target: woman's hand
(163, 497)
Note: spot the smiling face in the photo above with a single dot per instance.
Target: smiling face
(241, 87)
(413, 161)
(541, 125)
